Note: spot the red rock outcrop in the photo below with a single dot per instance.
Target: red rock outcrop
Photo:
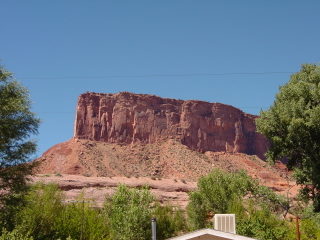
(127, 118)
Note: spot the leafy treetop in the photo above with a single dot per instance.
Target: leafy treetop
(17, 124)
(293, 128)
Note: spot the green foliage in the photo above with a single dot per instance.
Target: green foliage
(310, 229)
(128, 213)
(293, 128)
(262, 224)
(14, 235)
(219, 191)
(310, 224)
(216, 193)
(45, 216)
(198, 211)
(17, 124)
(170, 221)
(254, 205)
(42, 210)
(79, 220)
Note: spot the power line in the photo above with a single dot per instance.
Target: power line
(155, 75)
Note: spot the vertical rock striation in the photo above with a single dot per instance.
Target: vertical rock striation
(129, 118)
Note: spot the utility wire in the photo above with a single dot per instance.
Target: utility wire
(154, 75)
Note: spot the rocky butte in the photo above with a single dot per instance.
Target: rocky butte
(128, 118)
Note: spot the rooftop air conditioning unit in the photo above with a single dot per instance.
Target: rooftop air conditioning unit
(225, 223)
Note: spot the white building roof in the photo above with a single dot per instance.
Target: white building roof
(210, 234)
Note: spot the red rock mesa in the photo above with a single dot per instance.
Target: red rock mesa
(126, 118)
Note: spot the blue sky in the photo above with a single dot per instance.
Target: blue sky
(229, 51)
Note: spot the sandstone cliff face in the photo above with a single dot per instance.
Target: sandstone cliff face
(138, 118)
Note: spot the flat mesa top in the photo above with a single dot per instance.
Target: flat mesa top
(155, 99)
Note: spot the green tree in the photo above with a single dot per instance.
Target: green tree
(17, 124)
(222, 192)
(128, 213)
(256, 207)
(292, 127)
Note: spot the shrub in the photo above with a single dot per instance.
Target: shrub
(170, 221)
(262, 224)
(255, 206)
(216, 193)
(310, 224)
(43, 208)
(79, 220)
(128, 213)
(45, 216)
(14, 235)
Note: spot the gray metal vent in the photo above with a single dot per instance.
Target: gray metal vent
(225, 223)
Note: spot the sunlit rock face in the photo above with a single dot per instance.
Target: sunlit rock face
(127, 118)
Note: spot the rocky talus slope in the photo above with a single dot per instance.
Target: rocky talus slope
(167, 159)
